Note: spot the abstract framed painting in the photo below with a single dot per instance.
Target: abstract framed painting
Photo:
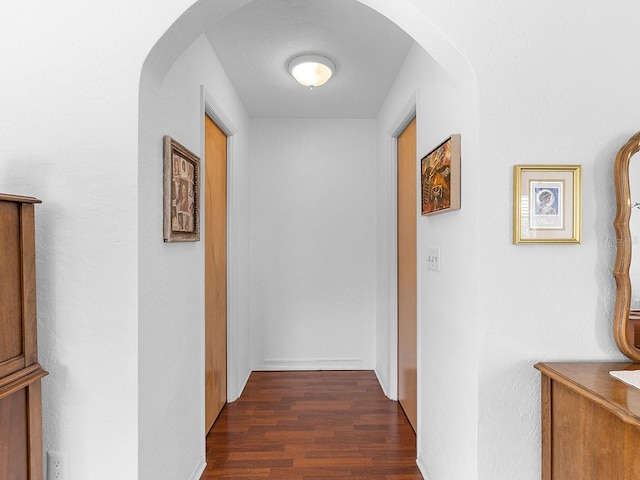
(181, 193)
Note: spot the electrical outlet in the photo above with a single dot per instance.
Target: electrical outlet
(57, 465)
(433, 259)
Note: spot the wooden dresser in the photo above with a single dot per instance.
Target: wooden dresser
(590, 422)
(20, 373)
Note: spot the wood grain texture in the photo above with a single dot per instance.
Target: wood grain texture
(624, 328)
(407, 273)
(545, 412)
(586, 438)
(28, 270)
(20, 373)
(312, 425)
(6, 197)
(590, 422)
(11, 340)
(14, 443)
(34, 407)
(18, 380)
(215, 237)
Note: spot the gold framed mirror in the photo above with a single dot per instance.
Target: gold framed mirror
(626, 321)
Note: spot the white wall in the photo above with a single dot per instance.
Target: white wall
(554, 86)
(546, 94)
(569, 95)
(313, 243)
(68, 122)
(447, 318)
(552, 83)
(171, 308)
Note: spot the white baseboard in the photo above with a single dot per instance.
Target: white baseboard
(383, 386)
(277, 364)
(241, 389)
(422, 468)
(198, 470)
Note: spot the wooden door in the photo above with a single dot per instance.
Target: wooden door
(215, 284)
(407, 274)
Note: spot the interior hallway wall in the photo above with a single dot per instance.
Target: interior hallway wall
(447, 318)
(554, 84)
(171, 309)
(313, 214)
(69, 110)
(68, 117)
(567, 96)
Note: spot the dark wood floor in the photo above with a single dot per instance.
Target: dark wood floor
(312, 426)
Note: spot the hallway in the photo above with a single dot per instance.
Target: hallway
(312, 425)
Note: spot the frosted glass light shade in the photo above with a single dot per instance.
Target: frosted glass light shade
(311, 70)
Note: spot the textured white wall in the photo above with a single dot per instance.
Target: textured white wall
(312, 243)
(171, 309)
(447, 319)
(68, 117)
(553, 84)
(548, 94)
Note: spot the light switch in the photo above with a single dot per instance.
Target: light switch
(433, 259)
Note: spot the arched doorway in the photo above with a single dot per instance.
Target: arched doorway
(162, 59)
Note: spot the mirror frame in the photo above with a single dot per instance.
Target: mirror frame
(624, 324)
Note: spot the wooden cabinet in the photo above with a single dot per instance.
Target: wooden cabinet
(20, 373)
(590, 422)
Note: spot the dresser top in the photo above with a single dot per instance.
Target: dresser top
(592, 379)
(5, 197)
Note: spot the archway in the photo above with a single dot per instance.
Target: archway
(181, 39)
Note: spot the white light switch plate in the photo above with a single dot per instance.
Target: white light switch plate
(433, 259)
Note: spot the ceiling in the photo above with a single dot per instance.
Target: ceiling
(256, 42)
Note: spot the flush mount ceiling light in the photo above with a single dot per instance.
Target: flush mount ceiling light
(311, 70)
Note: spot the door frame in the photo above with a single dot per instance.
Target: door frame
(212, 109)
(410, 110)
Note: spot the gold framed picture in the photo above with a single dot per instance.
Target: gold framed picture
(547, 204)
(181, 193)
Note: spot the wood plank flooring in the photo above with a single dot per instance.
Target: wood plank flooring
(312, 426)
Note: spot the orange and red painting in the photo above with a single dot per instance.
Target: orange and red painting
(441, 177)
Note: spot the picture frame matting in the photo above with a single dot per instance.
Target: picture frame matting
(547, 204)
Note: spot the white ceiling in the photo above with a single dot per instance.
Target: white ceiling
(256, 42)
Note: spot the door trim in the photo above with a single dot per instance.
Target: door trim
(408, 112)
(212, 108)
